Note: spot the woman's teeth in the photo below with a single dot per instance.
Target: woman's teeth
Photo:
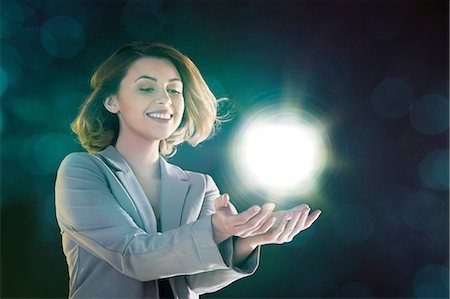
(160, 115)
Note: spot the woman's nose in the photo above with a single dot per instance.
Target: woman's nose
(164, 98)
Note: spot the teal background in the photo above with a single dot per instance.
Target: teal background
(375, 72)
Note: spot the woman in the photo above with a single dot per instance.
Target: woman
(134, 225)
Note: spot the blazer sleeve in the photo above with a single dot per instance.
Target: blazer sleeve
(212, 281)
(89, 213)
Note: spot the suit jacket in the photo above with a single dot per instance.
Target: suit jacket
(109, 231)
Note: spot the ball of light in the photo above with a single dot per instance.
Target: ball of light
(279, 153)
(285, 149)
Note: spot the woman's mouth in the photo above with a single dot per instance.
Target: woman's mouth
(166, 116)
(160, 117)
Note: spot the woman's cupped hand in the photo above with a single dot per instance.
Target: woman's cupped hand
(259, 225)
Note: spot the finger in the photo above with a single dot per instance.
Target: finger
(221, 201)
(275, 234)
(245, 216)
(232, 208)
(264, 228)
(257, 221)
(289, 228)
(301, 207)
(312, 217)
(300, 224)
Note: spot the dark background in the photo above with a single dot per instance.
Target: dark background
(376, 71)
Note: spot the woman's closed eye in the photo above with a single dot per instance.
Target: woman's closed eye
(146, 89)
(175, 91)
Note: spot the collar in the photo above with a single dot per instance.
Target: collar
(118, 163)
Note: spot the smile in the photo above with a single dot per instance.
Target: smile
(165, 116)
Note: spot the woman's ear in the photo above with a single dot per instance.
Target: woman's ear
(111, 104)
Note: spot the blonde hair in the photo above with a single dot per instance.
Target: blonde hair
(97, 128)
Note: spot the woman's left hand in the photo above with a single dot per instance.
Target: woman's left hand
(288, 224)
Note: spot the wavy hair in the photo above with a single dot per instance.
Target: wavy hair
(96, 128)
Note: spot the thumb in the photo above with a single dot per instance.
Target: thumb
(222, 201)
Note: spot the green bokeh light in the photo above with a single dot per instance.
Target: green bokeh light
(63, 37)
(12, 18)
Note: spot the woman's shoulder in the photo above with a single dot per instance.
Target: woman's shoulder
(79, 159)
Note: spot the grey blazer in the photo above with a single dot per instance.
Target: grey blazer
(109, 231)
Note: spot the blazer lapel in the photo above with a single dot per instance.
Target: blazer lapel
(131, 185)
(174, 187)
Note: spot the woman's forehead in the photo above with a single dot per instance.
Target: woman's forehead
(154, 67)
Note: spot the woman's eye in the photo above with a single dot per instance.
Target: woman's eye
(174, 91)
(146, 89)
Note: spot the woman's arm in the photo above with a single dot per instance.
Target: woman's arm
(226, 220)
(89, 214)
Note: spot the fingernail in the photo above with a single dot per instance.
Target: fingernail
(256, 209)
(269, 206)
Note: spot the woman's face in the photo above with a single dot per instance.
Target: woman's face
(150, 101)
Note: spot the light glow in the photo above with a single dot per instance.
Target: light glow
(279, 153)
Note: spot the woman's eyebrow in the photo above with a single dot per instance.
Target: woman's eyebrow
(154, 79)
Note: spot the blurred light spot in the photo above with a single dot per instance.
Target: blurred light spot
(432, 281)
(423, 211)
(63, 36)
(42, 154)
(30, 110)
(355, 290)
(29, 45)
(139, 21)
(49, 209)
(12, 17)
(279, 152)
(434, 170)
(353, 223)
(50, 150)
(429, 115)
(169, 12)
(11, 63)
(65, 104)
(392, 98)
(3, 81)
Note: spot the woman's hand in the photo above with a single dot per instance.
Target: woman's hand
(288, 224)
(228, 222)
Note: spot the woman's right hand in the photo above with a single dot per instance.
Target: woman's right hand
(227, 222)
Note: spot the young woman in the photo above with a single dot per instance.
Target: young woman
(134, 225)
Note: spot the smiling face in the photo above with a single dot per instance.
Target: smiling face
(150, 101)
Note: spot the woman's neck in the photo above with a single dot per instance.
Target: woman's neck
(142, 156)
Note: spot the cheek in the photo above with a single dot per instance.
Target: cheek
(181, 107)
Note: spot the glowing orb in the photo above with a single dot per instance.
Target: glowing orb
(279, 152)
